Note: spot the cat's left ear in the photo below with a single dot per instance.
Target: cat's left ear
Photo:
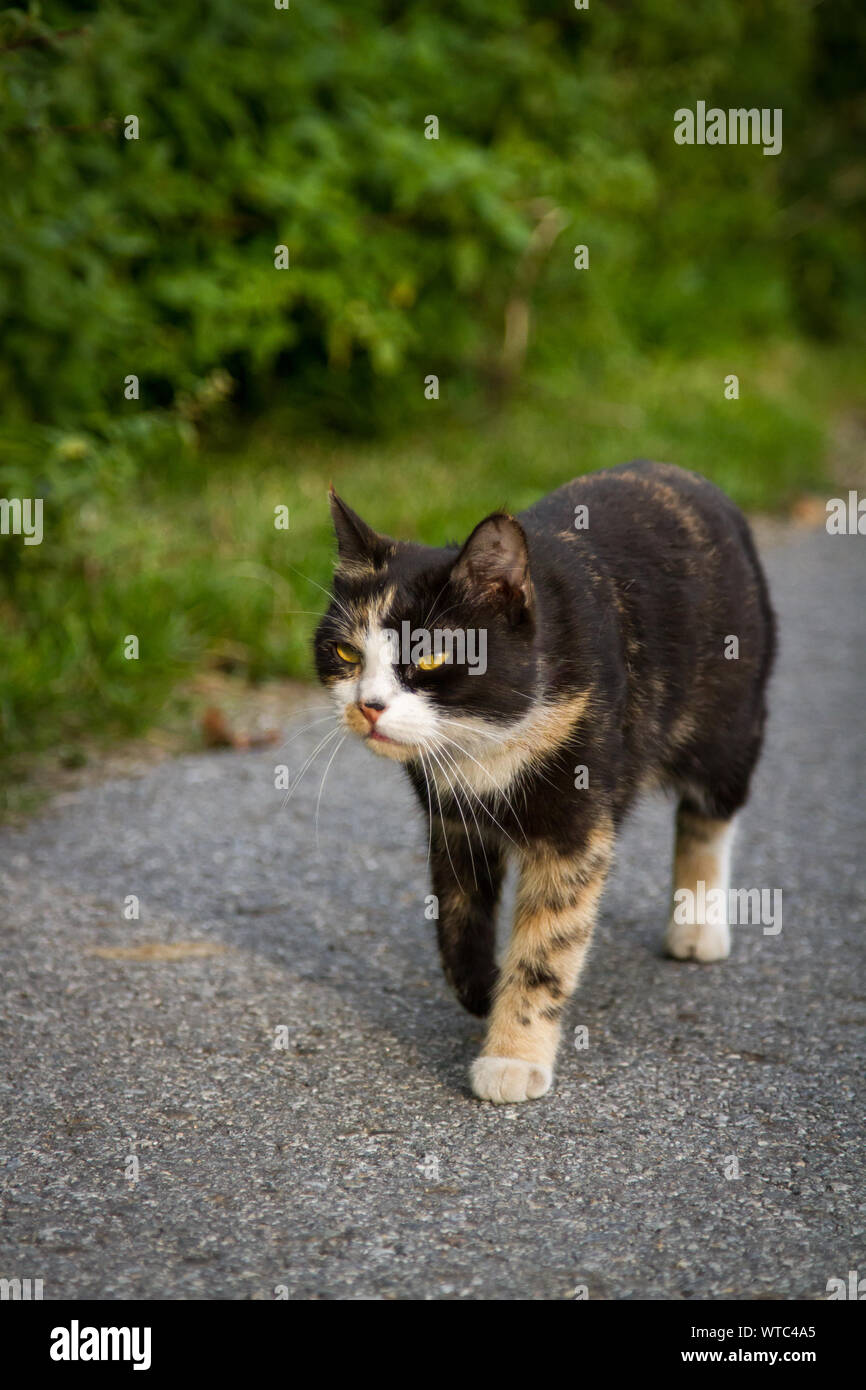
(356, 541)
(494, 563)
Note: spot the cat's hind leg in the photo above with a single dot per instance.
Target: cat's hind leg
(698, 928)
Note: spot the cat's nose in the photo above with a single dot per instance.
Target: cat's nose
(371, 711)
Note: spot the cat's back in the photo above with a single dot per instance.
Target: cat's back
(635, 503)
(663, 548)
(646, 524)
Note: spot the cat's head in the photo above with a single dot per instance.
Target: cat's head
(425, 647)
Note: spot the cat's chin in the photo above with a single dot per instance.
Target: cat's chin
(390, 748)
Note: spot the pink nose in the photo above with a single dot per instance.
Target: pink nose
(371, 712)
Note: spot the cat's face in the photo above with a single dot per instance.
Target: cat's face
(429, 649)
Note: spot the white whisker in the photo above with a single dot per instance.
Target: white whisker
(429, 805)
(445, 835)
(305, 727)
(459, 808)
(461, 781)
(487, 809)
(322, 785)
(327, 592)
(318, 748)
(487, 773)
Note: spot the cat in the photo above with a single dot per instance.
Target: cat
(628, 641)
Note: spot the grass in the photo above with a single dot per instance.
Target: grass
(186, 557)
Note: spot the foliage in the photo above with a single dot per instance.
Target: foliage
(305, 128)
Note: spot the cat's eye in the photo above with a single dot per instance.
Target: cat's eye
(348, 654)
(430, 663)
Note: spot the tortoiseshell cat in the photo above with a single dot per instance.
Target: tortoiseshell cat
(608, 611)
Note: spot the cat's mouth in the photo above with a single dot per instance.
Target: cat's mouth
(386, 747)
(375, 738)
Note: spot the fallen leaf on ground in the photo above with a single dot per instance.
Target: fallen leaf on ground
(809, 510)
(216, 729)
(218, 733)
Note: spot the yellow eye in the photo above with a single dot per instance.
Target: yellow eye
(348, 654)
(429, 663)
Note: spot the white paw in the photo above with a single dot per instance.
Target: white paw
(701, 941)
(509, 1079)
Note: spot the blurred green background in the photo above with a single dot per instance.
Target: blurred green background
(304, 127)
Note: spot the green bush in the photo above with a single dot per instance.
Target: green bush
(305, 127)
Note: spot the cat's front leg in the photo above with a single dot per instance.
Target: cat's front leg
(467, 873)
(557, 898)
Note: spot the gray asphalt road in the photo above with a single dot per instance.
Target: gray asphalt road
(354, 1162)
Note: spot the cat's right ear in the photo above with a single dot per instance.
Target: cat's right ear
(356, 541)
